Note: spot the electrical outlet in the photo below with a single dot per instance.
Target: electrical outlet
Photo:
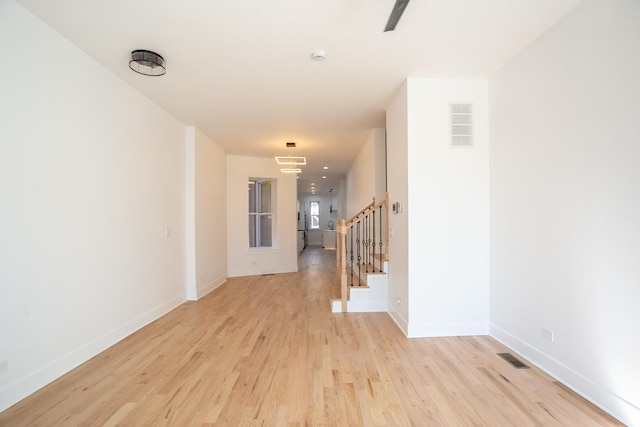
(547, 335)
(4, 366)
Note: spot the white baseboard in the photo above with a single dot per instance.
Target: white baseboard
(260, 271)
(204, 290)
(429, 330)
(35, 380)
(614, 405)
(400, 321)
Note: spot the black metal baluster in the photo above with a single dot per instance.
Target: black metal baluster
(374, 240)
(381, 238)
(368, 241)
(351, 255)
(358, 239)
(365, 243)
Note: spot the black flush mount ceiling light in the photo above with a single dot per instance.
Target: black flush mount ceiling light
(147, 63)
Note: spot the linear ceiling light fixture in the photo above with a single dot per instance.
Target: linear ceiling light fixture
(290, 170)
(292, 163)
(291, 160)
(147, 63)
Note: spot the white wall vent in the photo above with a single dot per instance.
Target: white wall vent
(461, 127)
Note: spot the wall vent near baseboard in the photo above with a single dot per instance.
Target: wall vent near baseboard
(461, 125)
(514, 361)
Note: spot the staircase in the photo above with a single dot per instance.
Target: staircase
(362, 259)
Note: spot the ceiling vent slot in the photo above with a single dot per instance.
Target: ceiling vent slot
(291, 145)
(461, 126)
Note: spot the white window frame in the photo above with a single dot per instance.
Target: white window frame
(312, 215)
(256, 216)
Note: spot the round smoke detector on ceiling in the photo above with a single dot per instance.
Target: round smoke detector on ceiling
(318, 55)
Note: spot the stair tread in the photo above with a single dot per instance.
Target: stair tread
(372, 269)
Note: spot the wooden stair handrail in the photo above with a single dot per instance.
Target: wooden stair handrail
(363, 213)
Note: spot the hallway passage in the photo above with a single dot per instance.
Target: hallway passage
(266, 351)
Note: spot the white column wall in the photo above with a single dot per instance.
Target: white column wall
(566, 201)
(448, 211)
(397, 163)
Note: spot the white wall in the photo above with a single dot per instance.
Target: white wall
(449, 211)
(91, 178)
(366, 176)
(245, 261)
(397, 161)
(206, 214)
(380, 165)
(566, 201)
(342, 200)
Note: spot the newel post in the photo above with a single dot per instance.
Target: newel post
(342, 256)
(339, 250)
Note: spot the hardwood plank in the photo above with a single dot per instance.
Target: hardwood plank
(266, 351)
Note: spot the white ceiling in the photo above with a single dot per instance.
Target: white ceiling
(240, 70)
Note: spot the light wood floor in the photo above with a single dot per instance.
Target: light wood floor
(266, 351)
